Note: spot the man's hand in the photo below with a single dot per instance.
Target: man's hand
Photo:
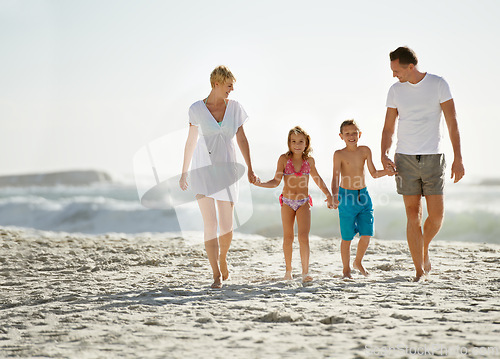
(388, 165)
(457, 170)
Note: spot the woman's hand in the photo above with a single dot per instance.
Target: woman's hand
(183, 182)
(251, 176)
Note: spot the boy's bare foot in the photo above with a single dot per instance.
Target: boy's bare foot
(360, 267)
(223, 268)
(347, 275)
(288, 275)
(427, 263)
(217, 283)
(306, 278)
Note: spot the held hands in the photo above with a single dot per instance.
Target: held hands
(336, 203)
(390, 172)
(329, 202)
(257, 182)
(389, 166)
(252, 178)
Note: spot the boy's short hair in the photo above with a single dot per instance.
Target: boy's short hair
(221, 74)
(405, 55)
(347, 123)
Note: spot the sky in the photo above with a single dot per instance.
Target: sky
(87, 84)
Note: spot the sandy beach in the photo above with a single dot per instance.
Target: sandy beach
(148, 296)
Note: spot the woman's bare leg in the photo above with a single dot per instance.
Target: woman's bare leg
(208, 212)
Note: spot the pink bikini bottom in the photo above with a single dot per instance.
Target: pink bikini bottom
(295, 204)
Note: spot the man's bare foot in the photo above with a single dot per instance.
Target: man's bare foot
(360, 267)
(427, 263)
(217, 283)
(306, 278)
(223, 268)
(347, 274)
(288, 275)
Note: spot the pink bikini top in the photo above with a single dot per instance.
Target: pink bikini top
(290, 170)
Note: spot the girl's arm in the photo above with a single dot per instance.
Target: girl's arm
(188, 154)
(241, 138)
(371, 167)
(319, 181)
(277, 176)
(336, 179)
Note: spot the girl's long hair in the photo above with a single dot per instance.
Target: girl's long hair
(299, 131)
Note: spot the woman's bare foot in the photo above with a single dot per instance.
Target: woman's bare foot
(217, 283)
(288, 275)
(360, 267)
(223, 268)
(306, 278)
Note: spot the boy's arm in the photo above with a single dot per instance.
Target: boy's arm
(277, 176)
(319, 181)
(371, 167)
(336, 179)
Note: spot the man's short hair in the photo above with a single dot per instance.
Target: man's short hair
(405, 55)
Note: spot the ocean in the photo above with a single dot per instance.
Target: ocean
(113, 206)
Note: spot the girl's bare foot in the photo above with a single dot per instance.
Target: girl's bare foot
(223, 268)
(360, 267)
(288, 275)
(306, 278)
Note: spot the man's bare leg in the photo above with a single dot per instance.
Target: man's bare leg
(226, 234)
(432, 224)
(288, 220)
(414, 236)
(363, 243)
(304, 226)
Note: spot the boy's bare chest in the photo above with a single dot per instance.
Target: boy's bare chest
(353, 161)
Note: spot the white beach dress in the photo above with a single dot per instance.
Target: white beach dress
(216, 147)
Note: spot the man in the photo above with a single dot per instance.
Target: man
(416, 102)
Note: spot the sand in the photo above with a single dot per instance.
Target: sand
(147, 296)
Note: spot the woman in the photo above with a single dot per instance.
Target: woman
(213, 175)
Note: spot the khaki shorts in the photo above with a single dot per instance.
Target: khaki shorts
(420, 174)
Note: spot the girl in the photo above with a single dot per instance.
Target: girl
(295, 166)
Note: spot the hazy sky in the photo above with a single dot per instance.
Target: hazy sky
(86, 84)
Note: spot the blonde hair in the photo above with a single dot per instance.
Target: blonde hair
(297, 130)
(221, 74)
(348, 123)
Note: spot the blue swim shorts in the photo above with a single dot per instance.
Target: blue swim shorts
(355, 213)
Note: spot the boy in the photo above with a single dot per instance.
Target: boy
(351, 197)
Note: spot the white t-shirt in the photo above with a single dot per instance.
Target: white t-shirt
(216, 147)
(420, 125)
